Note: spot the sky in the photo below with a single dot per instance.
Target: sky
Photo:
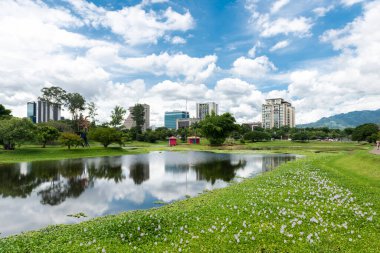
(320, 55)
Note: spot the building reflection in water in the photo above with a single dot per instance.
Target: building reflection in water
(271, 162)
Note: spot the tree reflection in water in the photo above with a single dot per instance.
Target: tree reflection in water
(215, 169)
(109, 168)
(66, 178)
(139, 172)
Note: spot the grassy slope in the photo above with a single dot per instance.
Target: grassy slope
(322, 200)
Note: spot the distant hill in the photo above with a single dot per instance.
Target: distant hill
(344, 120)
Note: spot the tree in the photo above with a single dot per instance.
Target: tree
(300, 136)
(364, 132)
(75, 103)
(15, 131)
(256, 136)
(91, 107)
(117, 116)
(70, 139)
(138, 116)
(4, 113)
(46, 134)
(54, 94)
(106, 135)
(216, 128)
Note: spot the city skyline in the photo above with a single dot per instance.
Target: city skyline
(321, 56)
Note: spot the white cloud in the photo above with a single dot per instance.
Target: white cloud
(178, 40)
(279, 45)
(252, 68)
(134, 23)
(321, 11)
(177, 65)
(351, 2)
(347, 82)
(278, 5)
(298, 26)
(275, 23)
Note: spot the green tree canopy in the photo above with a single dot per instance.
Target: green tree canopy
(257, 136)
(15, 131)
(46, 134)
(302, 136)
(92, 112)
(364, 132)
(138, 114)
(53, 94)
(216, 128)
(70, 140)
(75, 103)
(106, 135)
(4, 113)
(117, 116)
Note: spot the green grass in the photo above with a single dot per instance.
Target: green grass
(34, 153)
(323, 203)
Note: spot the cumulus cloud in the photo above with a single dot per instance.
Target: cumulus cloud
(272, 23)
(134, 23)
(252, 68)
(278, 5)
(351, 2)
(279, 45)
(321, 11)
(192, 68)
(178, 40)
(299, 26)
(347, 82)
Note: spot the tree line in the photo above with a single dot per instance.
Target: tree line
(83, 126)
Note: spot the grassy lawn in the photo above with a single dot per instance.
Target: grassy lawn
(33, 152)
(323, 203)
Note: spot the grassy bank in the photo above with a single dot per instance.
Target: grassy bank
(34, 153)
(324, 203)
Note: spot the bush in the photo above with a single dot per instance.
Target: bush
(46, 134)
(70, 139)
(256, 136)
(106, 136)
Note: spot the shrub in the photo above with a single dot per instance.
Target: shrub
(106, 136)
(70, 139)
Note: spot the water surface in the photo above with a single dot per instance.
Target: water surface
(36, 194)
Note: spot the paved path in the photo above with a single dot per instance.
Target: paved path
(375, 151)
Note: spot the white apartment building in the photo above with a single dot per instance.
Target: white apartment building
(129, 122)
(204, 109)
(277, 113)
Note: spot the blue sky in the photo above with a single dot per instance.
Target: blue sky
(318, 54)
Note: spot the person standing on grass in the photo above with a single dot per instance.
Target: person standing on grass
(378, 145)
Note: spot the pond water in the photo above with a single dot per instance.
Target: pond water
(36, 194)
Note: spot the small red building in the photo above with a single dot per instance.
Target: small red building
(172, 141)
(194, 140)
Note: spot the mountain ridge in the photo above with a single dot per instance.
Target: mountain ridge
(344, 120)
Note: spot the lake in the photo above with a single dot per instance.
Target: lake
(36, 194)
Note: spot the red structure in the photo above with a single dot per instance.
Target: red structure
(194, 140)
(172, 141)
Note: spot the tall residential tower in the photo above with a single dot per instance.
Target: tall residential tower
(204, 109)
(277, 113)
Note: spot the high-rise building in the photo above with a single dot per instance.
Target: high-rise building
(277, 113)
(129, 122)
(204, 109)
(185, 123)
(32, 111)
(171, 118)
(47, 111)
